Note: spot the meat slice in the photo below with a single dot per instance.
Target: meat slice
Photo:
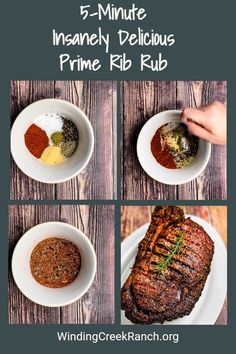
(170, 269)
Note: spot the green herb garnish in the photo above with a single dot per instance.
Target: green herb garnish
(162, 265)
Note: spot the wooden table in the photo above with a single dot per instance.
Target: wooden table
(133, 217)
(97, 305)
(98, 100)
(140, 100)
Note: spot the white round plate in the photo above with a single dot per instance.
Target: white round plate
(157, 171)
(32, 166)
(53, 297)
(209, 305)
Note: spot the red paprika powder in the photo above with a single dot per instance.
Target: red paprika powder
(36, 140)
(161, 153)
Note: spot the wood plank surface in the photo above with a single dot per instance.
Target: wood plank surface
(97, 305)
(98, 100)
(140, 100)
(132, 217)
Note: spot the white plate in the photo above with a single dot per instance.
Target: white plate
(32, 166)
(209, 305)
(157, 171)
(49, 296)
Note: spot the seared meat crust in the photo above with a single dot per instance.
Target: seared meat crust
(170, 269)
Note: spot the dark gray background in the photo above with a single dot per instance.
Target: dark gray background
(204, 32)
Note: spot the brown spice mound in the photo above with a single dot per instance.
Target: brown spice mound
(55, 262)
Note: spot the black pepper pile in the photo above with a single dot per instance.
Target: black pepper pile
(69, 130)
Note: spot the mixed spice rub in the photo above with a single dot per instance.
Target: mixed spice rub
(173, 146)
(170, 269)
(55, 262)
(52, 138)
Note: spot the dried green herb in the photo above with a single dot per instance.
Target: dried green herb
(68, 148)
(57, 138)
(162, 265)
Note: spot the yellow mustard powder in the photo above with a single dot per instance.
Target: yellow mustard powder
(172, 141)
(52, 155)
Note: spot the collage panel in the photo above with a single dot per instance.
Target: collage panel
(173, 140)
(64, 146)
(174, 265)
(61, 264)
(63, 140)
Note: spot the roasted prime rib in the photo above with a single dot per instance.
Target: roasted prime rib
(170, 269)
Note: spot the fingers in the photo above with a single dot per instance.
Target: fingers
(199, 131)
(192, 114)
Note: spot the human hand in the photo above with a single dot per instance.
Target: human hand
(208, 122)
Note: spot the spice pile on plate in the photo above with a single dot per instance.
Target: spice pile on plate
(52, 138)
(55, 262)
(173, 146)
